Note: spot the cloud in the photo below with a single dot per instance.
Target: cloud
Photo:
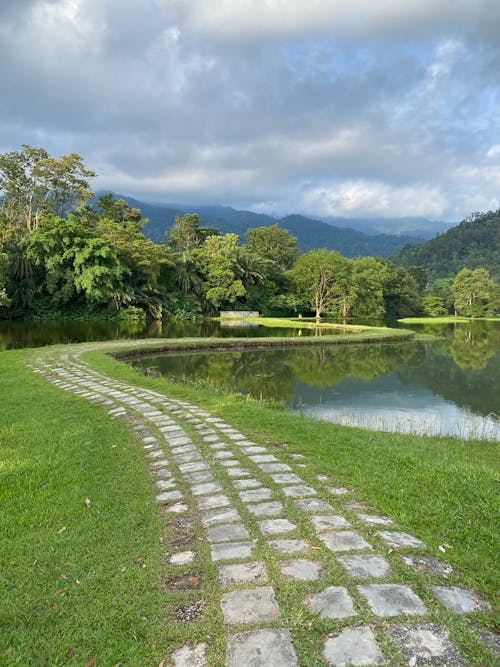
(291, 106)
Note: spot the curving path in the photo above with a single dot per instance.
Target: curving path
(265, 525)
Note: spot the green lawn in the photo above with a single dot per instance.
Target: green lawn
(78, 582)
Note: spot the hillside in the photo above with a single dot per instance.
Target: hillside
(474, 243)
(310, 233)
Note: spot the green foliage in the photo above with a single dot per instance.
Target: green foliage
(474, 243)
(275, 244)
(188, 233)
(475, 294)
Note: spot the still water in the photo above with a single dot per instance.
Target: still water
(446, 386)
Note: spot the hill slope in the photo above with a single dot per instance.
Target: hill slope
(474, 243)
(310, 233)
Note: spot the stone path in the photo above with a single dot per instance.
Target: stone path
(268, 529)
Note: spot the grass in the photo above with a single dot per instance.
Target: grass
(94, 588)
(448, 319)
(304, 323)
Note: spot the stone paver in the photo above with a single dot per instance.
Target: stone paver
(426, 644)
(427, 564)
(344, 540)
(353, 646)
(333, 602)
(190, 657)
(375, 519)
(246, 483)
(183, 558)
(301, 569)
(313, 505)
(396, 539)
(292, 546)
(210, 502)
(276, 526)
(273, 508)
(205, 487)
(286, 478)
(460, 600)
(255, 495)
(228, 533)
(298, 491)
(392, 600)
(250, 605)
(232, 550)
(365, 566)
(261, 648)
(219, 516)
(274, 467)
(329, 522)
(242, 573)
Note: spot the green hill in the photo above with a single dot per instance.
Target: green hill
(474, 243)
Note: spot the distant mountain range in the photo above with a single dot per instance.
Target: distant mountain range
(335, 234)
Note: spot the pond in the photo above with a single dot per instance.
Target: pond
(17, 334)
(446, 386)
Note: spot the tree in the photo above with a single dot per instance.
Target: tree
(275, 244)
(367, 292)
(218, 262)
(188, 233)
(474, 292)
(322, 276)
(35, 184)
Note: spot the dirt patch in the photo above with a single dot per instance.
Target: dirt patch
(189, 581)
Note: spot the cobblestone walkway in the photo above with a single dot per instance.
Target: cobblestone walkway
(266, 526)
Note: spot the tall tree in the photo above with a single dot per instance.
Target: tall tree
(188, 232)
(275, 244)
(474, 292)
(35, 184)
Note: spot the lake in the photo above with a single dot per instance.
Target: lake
(449, 385)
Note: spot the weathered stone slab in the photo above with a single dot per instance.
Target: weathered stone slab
(491, 640)
(217, 516)
(188, 458)
(168, 496)
(178, 508)
(211, 438)
(238, 472)
(461, 600)
(426, 644)
(298, 491)
(333, 602)
(263, 458)
(198, 477)
(165, 484)
(313, 505)
(250, 605)
(231, 550)
(183, 558)
(392, 600)
(230, 463)
(255, 495)
(261, 648)
(254, 449)
(396, 539)
(291, 546)
(375, 520)
(286, 478)
(223, 454)
(179, 440)
(344, 540)
(190, 657)
(246, 483)
(185, 449)
(229, 532)
(353, 646)
(273, 508)
(242, 573)
(427, 564)
(193, 467)
(211, 502)
(365, 566)
(329, 522)
(205, 487)
(339, 490)
(274, 467)
(218, 445)
(276, 526)
(301, 569)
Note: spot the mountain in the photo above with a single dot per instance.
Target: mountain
(472, 244)
(310, 233)
(420, 228)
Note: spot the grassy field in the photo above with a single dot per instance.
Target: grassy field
(448, 319)
(80, 580)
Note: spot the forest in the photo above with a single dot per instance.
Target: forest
(63, 255)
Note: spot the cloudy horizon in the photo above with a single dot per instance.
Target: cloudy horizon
(325, 108)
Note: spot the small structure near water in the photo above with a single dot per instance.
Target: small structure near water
(238, 314)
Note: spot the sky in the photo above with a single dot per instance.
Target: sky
(323, 107)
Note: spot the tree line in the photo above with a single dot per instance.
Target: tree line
(62, 255)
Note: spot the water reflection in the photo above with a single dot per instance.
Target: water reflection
(450, 385)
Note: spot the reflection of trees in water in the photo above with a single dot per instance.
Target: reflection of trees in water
(473, 346)
(325, 366)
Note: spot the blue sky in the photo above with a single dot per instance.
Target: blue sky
(325, 107)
